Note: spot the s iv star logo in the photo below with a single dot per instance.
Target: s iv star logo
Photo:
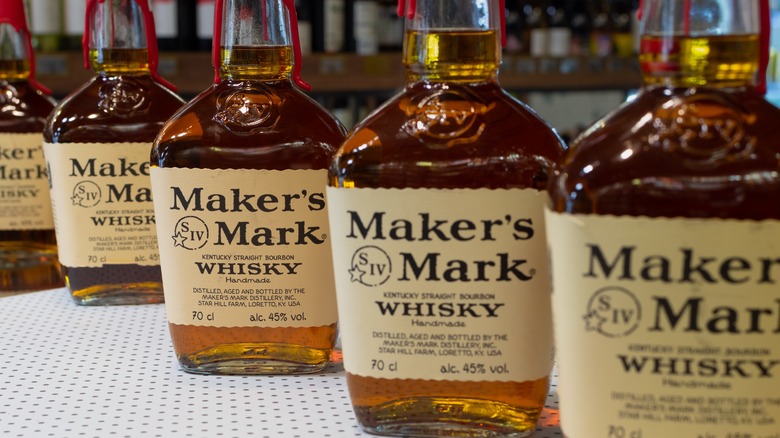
(370, 266)
(612, 312)
(86, 194)
(190, 233)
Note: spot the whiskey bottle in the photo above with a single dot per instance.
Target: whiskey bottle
(97, 144)
(391, 35)
(329, 26)
(166, 21)
(436, 205)
(305, 12)
(204, 26)
(73, 24)
(623, 36)
(45, 19)
(580, 27)
(538, 28)
(560, 35)
(28, 252)
(176, 25)
(601, 43)
(365, 27)
(515, 23)
(239, 177)
(665, 237)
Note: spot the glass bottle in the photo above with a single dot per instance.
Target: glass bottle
(436, 207)
(204, 24)
(176, 22)
(560, 29)
(28, 251)
(580, 27)
(364, 30)
(97, 144)
(392, 35)
(249, 284)
(601, 28)
(623, 35)
(73, 24)
(515, 23)
(330, 26)
(167, 23)
(46, 19)
(539, 28)
(664, 232)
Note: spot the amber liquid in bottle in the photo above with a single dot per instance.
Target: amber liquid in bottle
(134, 111)
(698, 141)
(305, 137)
(513, 148)
(708, 151)
(28, 258)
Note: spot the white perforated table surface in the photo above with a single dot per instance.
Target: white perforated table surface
(71, 371)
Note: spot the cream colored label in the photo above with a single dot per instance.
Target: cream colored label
(245, 248)
(24, 186)
(442, 284)
(666, 327)
(102, 202)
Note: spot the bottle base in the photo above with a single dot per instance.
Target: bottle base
(119, 294)
(446, 416)
(256, 359)
(25, 269)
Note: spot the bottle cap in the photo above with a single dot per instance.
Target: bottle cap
(296, 40)
(12, 12)
(151, 38)
(413, 6)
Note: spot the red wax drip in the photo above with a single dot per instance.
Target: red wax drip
(216, 43)
(296, 40)
(265, 20)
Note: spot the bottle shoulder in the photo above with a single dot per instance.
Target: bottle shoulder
(106, 91)
(706, 131)
(454, 115)
(458, 130)
(23, 108)
(112, 109)
(693, 149)
(250, 124)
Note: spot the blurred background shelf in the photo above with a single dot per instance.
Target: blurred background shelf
(570, 92)
(347, 73)
(572, 61)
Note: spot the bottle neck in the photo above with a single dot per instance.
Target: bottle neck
(452, 55)
(117, 38)
(14, 59)
(114, 62)
(700, 43)
(454, 41)
(260, 63)
(715, 61)
(255, 40)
